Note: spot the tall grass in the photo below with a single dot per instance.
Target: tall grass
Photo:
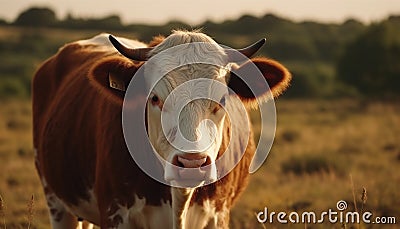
(30, 211)
(3, 212)
(29, 214)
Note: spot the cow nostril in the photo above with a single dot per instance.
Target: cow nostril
(207, 162)
(176, 162)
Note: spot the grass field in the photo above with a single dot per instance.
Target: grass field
(324, 151)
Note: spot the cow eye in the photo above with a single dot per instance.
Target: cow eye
(155, 100)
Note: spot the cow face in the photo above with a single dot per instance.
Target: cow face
(191, 80)
(185, 110)
(186, 116)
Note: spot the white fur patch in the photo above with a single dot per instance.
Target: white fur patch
(157, 214)
(183, 48)
(85, 225)
(199, 217)
(141, 215)
(102, 42)
(87, 210)
(59, 216)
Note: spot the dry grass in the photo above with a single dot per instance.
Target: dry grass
(31, 207)
(18, 179)
(3, 213)
(358, 138)
(361, 139)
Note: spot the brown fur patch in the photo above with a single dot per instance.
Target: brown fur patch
(156, 41)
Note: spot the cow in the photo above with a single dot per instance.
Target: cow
(86, 168)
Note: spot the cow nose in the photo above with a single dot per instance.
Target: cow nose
(191, 160)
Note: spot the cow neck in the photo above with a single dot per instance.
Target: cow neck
(180, 203)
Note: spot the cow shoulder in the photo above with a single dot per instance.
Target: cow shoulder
(53, 74)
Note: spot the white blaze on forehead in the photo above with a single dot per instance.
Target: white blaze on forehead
(188, 107)
(180, 49)
(195, 89)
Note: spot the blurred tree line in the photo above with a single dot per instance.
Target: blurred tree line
(327, 60)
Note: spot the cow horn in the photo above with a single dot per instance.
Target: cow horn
(252, 49)
(138, 54)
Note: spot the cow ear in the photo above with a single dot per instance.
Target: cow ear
(111, 77)
(252, 87)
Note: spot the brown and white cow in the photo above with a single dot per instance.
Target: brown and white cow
(86, 169)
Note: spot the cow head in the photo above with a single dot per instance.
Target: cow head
(189, 86)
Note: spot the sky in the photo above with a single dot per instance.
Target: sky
(196, 12)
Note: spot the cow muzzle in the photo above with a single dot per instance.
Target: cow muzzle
(190, 170)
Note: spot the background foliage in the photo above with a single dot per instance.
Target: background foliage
(327, 60)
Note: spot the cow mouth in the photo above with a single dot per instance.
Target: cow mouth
(191, 172)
